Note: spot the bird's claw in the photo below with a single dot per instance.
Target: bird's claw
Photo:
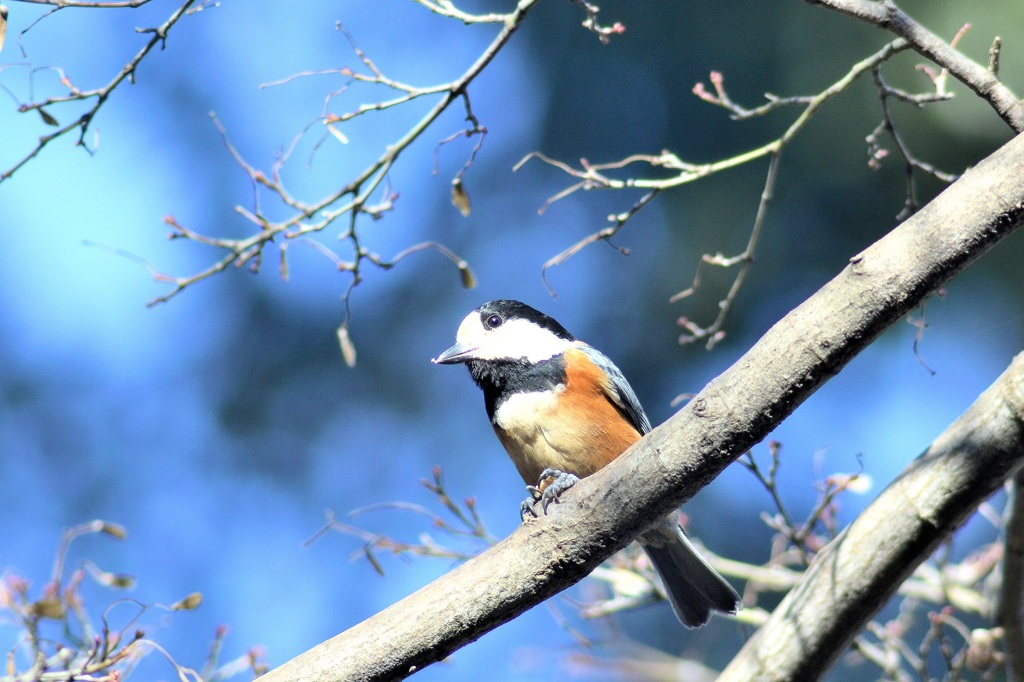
(560, 481)
(526, 507)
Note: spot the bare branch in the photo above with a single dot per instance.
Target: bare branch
(993, 56)
(447, 8)
(913, 36)
(1010, 598)
(721, 98)
(983, 81)
(595, 176)
(605, 235)
(353, 198)
(115, 4)
(715, 332)
(603, 512)
(858, 572)
(100, 95)
(603, 33)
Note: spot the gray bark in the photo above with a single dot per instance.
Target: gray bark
(857, 573)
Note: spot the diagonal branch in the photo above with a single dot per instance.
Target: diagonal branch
(736, 410)
(94, 4)
(715, 332)
(982, 80)
(860, 570)
(594, 176)
(99, 95)
(350, 199)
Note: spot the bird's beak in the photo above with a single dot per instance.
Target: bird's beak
(460, 352)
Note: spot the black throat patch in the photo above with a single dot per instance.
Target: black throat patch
(501, 379)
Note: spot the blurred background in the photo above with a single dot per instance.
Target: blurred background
(219, 427)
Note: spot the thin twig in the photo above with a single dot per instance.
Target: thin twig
(595, 176)
(983, 81)
(352, 198)
(100, 95)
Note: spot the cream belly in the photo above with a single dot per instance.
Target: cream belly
(518, 420)
(537, 438)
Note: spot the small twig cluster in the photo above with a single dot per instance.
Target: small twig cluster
(877, 152)
(368, 194)
(959, 648)
(958, 590)
(943, 640)
(461, 523)
(962, 653)
(603, 33)
(58, 639)
(674, 171)
(49, 108)
(798, 542)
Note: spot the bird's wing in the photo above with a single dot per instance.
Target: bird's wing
(618, 389)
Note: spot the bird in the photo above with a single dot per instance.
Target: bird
(563, 410)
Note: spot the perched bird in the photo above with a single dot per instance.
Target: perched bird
(563, 410)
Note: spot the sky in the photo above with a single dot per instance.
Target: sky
(218, 428)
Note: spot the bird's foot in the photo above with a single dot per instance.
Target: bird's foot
(551, 484)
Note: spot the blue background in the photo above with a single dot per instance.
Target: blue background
(219, 427)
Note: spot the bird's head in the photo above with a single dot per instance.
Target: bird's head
(506, 330)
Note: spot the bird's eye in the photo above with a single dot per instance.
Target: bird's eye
(494, 321)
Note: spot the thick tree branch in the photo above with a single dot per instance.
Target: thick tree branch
(863, 567)
(735, 411)
(1010, 603)
(981, 80)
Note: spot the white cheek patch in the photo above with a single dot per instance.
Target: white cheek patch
(511, 341)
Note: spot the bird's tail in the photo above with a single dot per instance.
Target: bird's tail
(694, 588)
